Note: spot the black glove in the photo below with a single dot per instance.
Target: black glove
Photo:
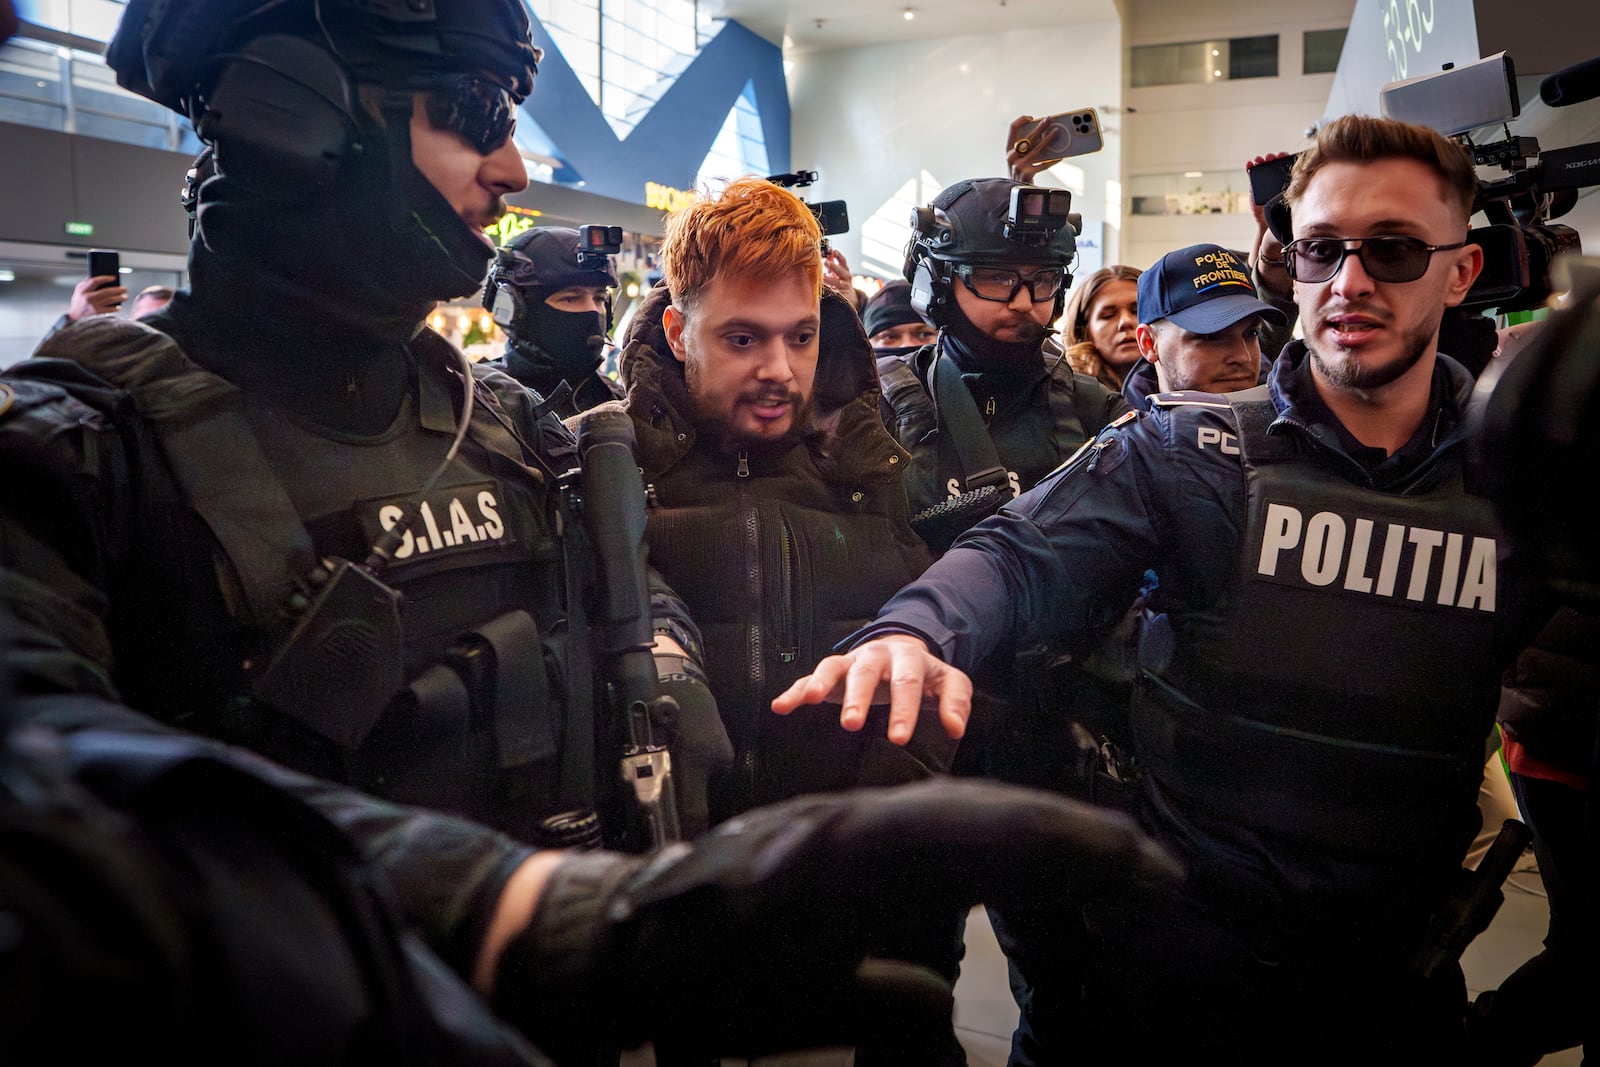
(757, 937)
(700, 742)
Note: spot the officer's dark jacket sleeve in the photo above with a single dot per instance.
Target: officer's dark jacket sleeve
(1063, 561)
(72, 469)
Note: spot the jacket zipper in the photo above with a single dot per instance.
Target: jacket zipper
(783, 624)
(754, 647)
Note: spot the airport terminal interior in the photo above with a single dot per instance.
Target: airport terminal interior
(869, 105)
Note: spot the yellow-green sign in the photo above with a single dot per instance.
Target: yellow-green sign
(666, 198)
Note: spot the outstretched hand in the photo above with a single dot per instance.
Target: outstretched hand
(897, 670)
(770, 932)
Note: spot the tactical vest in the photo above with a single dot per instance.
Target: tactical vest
(459, 714)
(1031, 437)
(1341, 695)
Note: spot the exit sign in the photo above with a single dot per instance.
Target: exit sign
(80, 229)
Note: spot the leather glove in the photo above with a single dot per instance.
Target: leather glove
(756, 938)
(700, 742)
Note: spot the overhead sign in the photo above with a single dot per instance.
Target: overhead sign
(516, 220)
(666, 198)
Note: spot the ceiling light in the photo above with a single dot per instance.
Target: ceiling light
(1194, 174)
(910, 14)
(7, 275)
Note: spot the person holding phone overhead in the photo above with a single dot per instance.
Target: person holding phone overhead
(101, 291)
(1034, 145)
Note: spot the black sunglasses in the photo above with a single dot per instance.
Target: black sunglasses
(483, 113)
(1002, 286)
(1386, 259)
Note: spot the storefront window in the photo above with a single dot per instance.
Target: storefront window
(1204, 61)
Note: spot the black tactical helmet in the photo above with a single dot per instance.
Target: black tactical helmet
(971, 222)
(550, 257)
(533, 265)
(274, 85)
(169, 50)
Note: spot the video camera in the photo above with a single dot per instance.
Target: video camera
(1037, 214)
(1519, 243)
(596, 246)
(832, 215)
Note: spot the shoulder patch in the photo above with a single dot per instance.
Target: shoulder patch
(1125, 418)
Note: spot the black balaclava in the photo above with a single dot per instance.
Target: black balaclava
(310, 290)
(887, 308)
(545, 345)
(566, 345)
(314, 301)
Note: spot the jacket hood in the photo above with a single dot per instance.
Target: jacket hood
(845, 430)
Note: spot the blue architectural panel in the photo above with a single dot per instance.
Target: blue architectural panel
(671, 141)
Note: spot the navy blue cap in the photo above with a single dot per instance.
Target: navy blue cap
(1202, 288)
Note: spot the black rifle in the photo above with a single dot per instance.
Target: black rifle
(612, 507)
(1471, 904)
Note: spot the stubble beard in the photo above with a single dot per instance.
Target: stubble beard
(716, 424)
(1349, 373)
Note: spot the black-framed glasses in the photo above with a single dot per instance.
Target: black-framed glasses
(1392, 258)
(482, 112)
(1002, 285)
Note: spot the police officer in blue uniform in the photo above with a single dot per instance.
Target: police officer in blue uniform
(1314, 697)
(1202, 332)
(551, 293)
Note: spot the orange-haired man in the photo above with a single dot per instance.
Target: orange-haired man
(780, 516)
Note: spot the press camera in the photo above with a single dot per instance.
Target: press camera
(1519, 242)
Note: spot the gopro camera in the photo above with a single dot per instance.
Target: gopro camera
(1037, 214)
(596, 246)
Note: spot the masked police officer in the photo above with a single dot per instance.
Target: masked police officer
(989, 265)
(298, 523)
(551, 293)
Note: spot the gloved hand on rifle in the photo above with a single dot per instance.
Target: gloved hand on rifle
(700, 742)
(758, 936)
